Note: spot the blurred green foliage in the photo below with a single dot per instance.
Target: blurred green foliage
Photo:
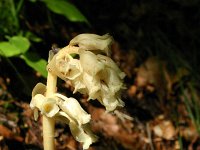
(16, 45)
(166, 29)
(15, 35)
(192, 103)
(63, 7)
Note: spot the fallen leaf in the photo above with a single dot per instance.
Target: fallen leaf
(165, 130)
(7, 133)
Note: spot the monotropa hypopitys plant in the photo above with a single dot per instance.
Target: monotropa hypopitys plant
(92, 73)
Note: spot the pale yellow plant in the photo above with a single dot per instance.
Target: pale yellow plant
(65, 109)
(92, 73)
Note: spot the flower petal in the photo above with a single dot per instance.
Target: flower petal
(65, 66)
(111, 103)
(90, 63)
(79, 85)
(72, 108)
(93, 42)
(40, 88)
(111, 64)
(37, 101)
(82, 133)
(111, 79)
(79, 134)
(36, 104)
(63, 117)
(93, 85)
(49, 107)
(74, 69)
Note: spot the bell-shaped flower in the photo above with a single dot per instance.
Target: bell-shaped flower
(93, 42)
(99, 72)
(109, 63)
(110, 100)
(81, 132)
(92, 72)
(92, 84)
(38, 89)
(79, 85)
(49, 107)
(64, 109)
(65, 66)
(90, 62)
(73, 109)
(36, 104)
(39, 102)
(111, 79)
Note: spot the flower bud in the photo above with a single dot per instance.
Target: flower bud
(49, 107)
(109, 63)
(65, 67)
(34, 104)
(40, 88)
(93, 42)
(73, 109)
(90, 63)
(81, 132)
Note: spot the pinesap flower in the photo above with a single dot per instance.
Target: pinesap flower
(77, 118)
(65, 66)
(82, 133)
(104, 80)
(39, 102)
(93, 42)
(65, 109)
(92, 73)
(73, 109)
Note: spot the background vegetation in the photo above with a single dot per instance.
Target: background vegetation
(156, 45)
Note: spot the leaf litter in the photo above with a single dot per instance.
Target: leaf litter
(154, 117)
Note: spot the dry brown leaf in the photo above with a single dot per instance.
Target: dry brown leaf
(114, 128)
(150, 75)
(7, 133)
(165, 130)
(189, 132)
(132, 91)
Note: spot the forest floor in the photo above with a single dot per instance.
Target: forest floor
(158, 115)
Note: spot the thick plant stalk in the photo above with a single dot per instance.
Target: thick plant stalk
(92, 73)
(49, 123)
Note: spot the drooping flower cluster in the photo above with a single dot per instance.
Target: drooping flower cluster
(92, 73)
(64, 109)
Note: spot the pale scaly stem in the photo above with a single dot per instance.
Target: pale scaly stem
(49, 123)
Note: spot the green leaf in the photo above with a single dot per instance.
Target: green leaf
(66, 9)
(35, 62)
(33, 1)
(15, 46)
(32, 37)
(8, 50)
(20, 42)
